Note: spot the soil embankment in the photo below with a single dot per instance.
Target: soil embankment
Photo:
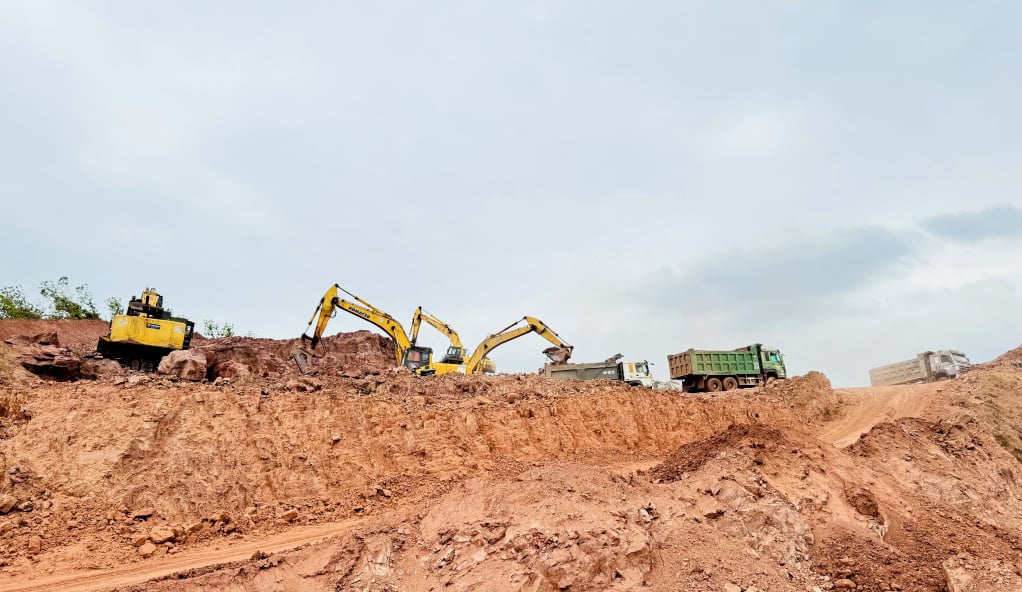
(366, 477)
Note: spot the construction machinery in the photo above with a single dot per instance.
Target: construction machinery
(717, 370)
(630, 373)
(929, 366)
(146, 332)
(406, 354)
(455, 356)
(478, 363)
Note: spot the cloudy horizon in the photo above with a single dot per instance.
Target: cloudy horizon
(839, 180)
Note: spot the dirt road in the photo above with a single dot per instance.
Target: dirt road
(873, 405)
(146, 570)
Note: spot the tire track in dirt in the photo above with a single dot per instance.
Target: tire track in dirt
(873, 405)
(147, 570)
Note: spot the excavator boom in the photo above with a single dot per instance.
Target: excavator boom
(559, 353)
(405, 353)
(455, 353)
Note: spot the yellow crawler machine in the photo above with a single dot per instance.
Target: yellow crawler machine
(455, 355)
(140, 338)
(560, 353)
(407, 354)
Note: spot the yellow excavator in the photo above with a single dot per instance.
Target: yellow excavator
(455, 355)
(407, 354)
(560, 353)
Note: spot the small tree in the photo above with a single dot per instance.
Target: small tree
(215, 331)
(114, 306)
(14, 305)
(65, 306)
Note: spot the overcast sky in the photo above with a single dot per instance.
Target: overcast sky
(842, 180)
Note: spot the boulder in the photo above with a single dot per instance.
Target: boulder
(185, 364)
(147, 550)
(230, 369)
(30, 340)
(35, 545)
(162, 534)
(7, 503)
(94, 368)
(51, 361)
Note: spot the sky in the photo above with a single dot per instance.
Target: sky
(841, 180)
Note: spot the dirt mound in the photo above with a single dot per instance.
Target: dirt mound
(694, 455)
(78, 336)
(355, 354)
(11, 370)
(512, 482)
(1010, 358)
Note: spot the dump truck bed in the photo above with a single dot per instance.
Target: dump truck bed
(582, 371)
(713, 363)
(905, 372)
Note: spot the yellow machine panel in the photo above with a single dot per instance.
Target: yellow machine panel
(148, 331)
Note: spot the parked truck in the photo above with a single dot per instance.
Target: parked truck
(632, 373)
(929, 366)
(725, 370)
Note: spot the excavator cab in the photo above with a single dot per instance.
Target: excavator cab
(454, 355)
(417, 356)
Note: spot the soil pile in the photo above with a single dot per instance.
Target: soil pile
(508, 482)
(78, 336)
(1011, 358)
(352, 355)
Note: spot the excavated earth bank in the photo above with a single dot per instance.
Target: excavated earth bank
(365, 477)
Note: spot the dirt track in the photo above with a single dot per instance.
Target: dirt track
(869, 406)
(219, 554)
(371, 479)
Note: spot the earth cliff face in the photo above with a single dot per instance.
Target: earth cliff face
(365, 477)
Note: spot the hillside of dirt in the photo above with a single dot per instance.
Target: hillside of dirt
(366, 477)
(78, 336)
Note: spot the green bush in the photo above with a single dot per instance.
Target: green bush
(60, 301)
(64, 305)
(14, 305)
(213, 330)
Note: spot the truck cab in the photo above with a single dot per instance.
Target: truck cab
(636, 374)
(947, 363)
(772, 362)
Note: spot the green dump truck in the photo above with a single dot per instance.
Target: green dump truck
(725, 370)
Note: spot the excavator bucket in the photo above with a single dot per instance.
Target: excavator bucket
(302, 358)
(558, 355)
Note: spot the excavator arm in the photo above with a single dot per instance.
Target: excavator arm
(560, 353)
(456, 352)
(405, 353)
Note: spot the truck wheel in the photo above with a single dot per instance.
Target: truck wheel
(714, 385)
(770, 380)
(730, 383)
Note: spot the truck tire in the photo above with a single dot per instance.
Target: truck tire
(770, 380)
(730, 383)
(714, 385)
